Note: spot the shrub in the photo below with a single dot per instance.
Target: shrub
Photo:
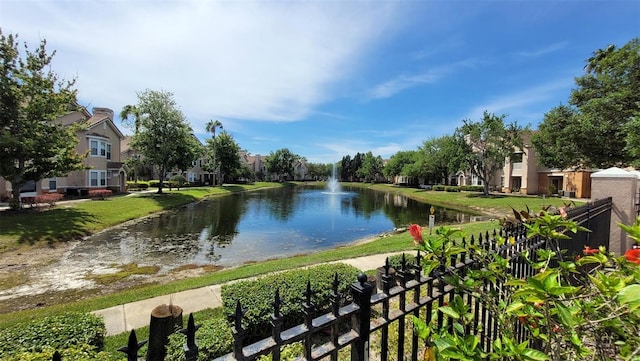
(438, 188)
(257, 296)
(54, 332)
(214, 340)
(73, 353)
(177, 181)
(49, 198)
(452, 189)
(154, 184)
(472, 188)
(100, 193)
(131, 185)
(395, 260)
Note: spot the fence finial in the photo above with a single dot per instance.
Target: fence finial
(132, 348)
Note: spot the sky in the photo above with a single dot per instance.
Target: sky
(329, 78)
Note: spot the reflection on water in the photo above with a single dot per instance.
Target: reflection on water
(254, 226)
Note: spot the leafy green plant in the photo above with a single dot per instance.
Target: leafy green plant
(585, 309)
(54, 332)
(256, 296)
(214, 339)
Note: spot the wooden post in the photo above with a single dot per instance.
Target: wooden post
(165, 320)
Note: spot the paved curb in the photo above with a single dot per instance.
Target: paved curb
(124, 318)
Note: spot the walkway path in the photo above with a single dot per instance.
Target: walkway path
(124, 318)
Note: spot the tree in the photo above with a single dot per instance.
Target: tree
(345, 168)
(397, 162)
(600, 125)
(558, 139)
(33, 143)
(281, 162)
(211, 127)
(130, 110)
(164, 137)
(371, 167)
(486, 145)
(441, 157)
(226, 149)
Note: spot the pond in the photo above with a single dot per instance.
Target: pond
(259, 225)
(233, 230)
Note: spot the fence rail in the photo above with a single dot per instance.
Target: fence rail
(351, 326)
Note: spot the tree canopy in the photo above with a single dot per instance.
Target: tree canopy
(598, 128)
(226, 150)
(163, 135)
(33, 143)
(281, 162)
(487, 144)
(371, 167)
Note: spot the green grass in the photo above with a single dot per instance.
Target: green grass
(494, 204)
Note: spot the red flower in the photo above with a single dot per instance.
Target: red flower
(416, 232)
(633, 255)
(589, 251)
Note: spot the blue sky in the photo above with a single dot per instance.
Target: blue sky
(327, 78)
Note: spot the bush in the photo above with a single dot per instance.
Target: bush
(472, 188)
(131, 185)
(452, 189)
(154, 184)
(177, 181)
(49, 198)
(214, 340)
(257, 296)
(395, 260)
(438, 188)
(100, 193)
(54, 332)
(74, 353)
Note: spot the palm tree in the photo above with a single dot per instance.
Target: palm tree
(132, 110)
(211, 128)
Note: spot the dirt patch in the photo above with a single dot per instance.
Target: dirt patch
(28, 279)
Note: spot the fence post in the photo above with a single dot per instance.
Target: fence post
(190, 347)
(239, 333)
(361, 292)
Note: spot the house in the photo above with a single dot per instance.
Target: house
(100, 142)
(257, 163)
(520, 171)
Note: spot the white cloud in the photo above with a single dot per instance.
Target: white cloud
(518, 105)
(543, 51)
(402, 82)
(245, 60)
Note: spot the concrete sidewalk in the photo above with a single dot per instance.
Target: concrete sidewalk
(124, 318)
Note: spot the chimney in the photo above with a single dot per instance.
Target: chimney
(103, 111)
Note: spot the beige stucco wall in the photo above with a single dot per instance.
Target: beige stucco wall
(622, 190)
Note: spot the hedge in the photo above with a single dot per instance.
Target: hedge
(214, 339)
(67, 331)
(257, 296)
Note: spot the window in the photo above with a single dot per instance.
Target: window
(100, 148)
(52, 184)
(516, 158)
(97, 178)
(93, 144)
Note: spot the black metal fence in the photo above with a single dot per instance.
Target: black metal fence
(371, 315)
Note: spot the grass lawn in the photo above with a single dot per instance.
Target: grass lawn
(494, 204)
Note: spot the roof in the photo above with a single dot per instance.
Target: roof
(613, 172)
